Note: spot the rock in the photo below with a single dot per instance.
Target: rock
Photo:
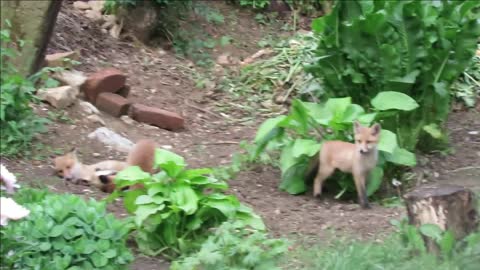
(105, 80)
(156, 117)
(124, 91)
(113, 104)
(116, 30)
(142, 20)
(96, 119)
(59, 97)
(94, 15)
(127, 120)
(59, 59)
(109, 21)
(97, 5)
(111, 138)
(80, 5)
(223, 59)
(70, 77)
(88, 107)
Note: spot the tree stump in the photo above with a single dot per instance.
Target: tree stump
(450, 207)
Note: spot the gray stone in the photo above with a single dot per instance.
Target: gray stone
(59, 97)
(112, 139)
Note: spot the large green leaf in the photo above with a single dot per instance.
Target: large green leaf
(266, 128)
(305, 147)
(144, 211)
(432, 231)
(293, 180)
(338, 107)
(226, 204)
(401, 156)
(287, 158)
(132, 173)
(388, 141)
(352, 113)
(390, 100)
(168, 161)
(247, 217)
(374, 180)
(185, 198)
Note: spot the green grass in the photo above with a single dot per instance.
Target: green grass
(389, 254)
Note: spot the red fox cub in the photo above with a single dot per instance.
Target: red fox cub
(358, 159)
(70, 168)
(141, 155)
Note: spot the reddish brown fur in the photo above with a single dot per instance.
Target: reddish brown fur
(358, 158)
(142, 155)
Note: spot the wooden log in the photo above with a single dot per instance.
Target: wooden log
(450, 207)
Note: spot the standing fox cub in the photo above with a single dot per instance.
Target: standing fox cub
(357, 158)
(101, 174)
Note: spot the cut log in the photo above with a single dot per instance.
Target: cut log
(450, 207)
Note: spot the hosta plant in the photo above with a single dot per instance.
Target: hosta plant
(64, 232)
(299, 135)
(177, 206)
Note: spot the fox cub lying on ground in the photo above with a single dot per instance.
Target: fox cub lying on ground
(357, 158)
(101, 174)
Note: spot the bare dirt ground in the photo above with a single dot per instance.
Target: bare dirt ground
(163, 80)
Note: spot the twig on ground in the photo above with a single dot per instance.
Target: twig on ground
(203, 110)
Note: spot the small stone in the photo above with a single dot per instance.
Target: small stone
(88, 107)
(81, 5)
(277, 212)
(224, 59)
(436, 174)
(167, 147)
(127, 120)
(96, 154)
(96, 119)
(96, 5)
(59, 97)
(70, 77)
(473, 132)
(94, 15)
(58, 59)
(112, 139)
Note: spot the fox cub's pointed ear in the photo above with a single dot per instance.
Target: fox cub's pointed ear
(356, 126)
(376, 129)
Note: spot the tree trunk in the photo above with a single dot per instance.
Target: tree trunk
(33, 22)
(450, 207)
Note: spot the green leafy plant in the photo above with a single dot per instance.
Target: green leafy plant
(234, 247)
(18, 121)
(414, 238)
(255, 4)
(467, 87)
(415, 47)
(297, 137)
(389, 254)
(176, 207)
(64, 232)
